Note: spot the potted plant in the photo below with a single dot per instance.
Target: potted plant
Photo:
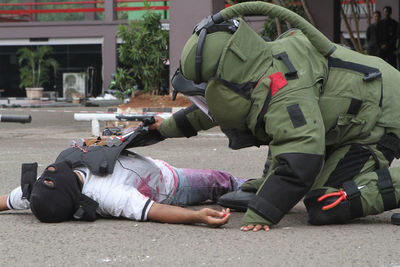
(35, 69)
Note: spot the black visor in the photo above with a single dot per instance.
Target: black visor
(186, 87)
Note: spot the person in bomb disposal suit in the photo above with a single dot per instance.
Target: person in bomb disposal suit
(329, 115)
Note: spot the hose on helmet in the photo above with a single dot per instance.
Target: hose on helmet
(319, 41)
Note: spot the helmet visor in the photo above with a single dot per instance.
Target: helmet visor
(200, 102)
(187, 87)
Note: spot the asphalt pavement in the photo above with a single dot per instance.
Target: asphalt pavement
(24, 241)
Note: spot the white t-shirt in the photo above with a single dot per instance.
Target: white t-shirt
(135, 184)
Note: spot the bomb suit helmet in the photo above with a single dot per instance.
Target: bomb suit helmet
(204, 80)
(220, 67)
(199, 59)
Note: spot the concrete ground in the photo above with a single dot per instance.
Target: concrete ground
(24, 241)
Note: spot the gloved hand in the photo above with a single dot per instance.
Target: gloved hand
(144, 137)
(157, 124)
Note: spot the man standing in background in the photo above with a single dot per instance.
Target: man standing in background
(387, 37)
(372, 35)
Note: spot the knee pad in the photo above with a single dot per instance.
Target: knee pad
(343, 212)
(337, 215)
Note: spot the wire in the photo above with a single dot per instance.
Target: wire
(153, 191)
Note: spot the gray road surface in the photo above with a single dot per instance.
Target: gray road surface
(24, 241)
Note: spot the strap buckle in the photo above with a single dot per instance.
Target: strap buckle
(386, 189)
(372, 76)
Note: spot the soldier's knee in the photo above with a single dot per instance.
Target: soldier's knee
(323, 210)
(339, 214)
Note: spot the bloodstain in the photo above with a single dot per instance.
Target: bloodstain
(144, 188)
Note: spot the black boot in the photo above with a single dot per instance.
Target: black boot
(239, 199)
(236, 200)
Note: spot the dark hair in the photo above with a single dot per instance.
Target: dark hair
(377, 12)
(389, 8)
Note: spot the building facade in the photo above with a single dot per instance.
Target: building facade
(90, 45)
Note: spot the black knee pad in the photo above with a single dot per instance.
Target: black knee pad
(337, 215)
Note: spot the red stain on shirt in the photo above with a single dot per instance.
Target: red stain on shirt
(144, 188)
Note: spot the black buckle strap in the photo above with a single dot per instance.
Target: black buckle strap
(292, 74)
(86, 209)
(242, 89)
(208, 25)
(370, 73)
(260, 117)
(215, 24)
(353, 196)
(28, 178)
(386, 189)
(372, 76)
(199, 55)
(390, 142)
(183, 123)
(355, 106)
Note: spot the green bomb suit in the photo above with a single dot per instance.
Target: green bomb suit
(329, 115)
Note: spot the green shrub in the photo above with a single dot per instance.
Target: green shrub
(142, 53)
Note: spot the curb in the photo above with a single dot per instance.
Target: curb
(109, 110)
(14, 102)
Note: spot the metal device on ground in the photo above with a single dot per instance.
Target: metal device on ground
(146, 120)
(119, 139)
(109, 131)
(116, 136)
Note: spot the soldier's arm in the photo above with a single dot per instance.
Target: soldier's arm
(185, 123)
(297, 149)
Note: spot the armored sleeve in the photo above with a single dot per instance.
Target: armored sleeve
(295, 124)
(186, 122)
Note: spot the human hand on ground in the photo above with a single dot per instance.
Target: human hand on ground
(214, 218)
(156, 125)
(254, 228)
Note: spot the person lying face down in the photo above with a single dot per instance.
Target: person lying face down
(139, 188)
